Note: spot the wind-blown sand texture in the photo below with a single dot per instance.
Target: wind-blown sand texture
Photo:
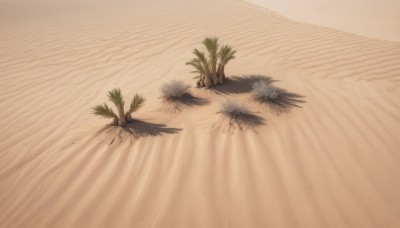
(334, 161)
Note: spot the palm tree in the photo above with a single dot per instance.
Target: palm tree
(120, 119)
(225, 54)
(212, 47)
(204, 63)
(211, 68)
(199, 69)
(136, 103)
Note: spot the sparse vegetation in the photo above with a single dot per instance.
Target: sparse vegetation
(211, 68)
(174, 90)
(234, 109)
(263, 91)
(121, 117)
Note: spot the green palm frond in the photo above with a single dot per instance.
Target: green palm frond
(200, 56)
(115, 96)
(210, 64)
(196, 63)
(226, 53)
(136, 103)
(211, 43)
(202, 60)
(212, 46)
(104, 111)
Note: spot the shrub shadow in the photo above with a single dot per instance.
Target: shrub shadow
(135, 130)
(177, 104)
(284, 102)
(239, 84)
(248, 120)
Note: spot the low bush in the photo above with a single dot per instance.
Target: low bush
(263, 91)
(233, 109)
(174, 90)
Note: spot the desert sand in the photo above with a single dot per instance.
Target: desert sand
(371, 18)
(331, 159)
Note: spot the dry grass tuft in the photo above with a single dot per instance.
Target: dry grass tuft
(175, 90)
(234, 109)
(239, 115)
(263, 91)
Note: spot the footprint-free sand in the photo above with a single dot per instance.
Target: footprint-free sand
(331, 158)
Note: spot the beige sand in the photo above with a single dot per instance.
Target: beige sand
(372, 18)
(334, 162)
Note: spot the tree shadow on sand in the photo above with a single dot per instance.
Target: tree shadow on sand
(188, 100)
(239, 84)
(135, 130)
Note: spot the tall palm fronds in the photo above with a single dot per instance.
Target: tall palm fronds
(201, 68)
(225, 54)
(212, 46)
(202, 59)
(115, 96)
(197, 64)
(105, 111)
(136, 103)
(211, 68)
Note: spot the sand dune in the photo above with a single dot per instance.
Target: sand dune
(331, 162)
(375, 19)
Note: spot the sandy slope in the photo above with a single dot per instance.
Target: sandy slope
(334, 162)
(371, 18)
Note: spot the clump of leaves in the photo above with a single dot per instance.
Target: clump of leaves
(210, 67)
(120, 118)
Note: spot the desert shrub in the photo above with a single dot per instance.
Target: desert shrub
(175, 89)
(234, 109)
(263, 91)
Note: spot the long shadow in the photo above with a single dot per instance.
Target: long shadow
(188, 99)
(247, 120)
(140, 128)
(239, 84)
(284, 102)
(137, 129)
